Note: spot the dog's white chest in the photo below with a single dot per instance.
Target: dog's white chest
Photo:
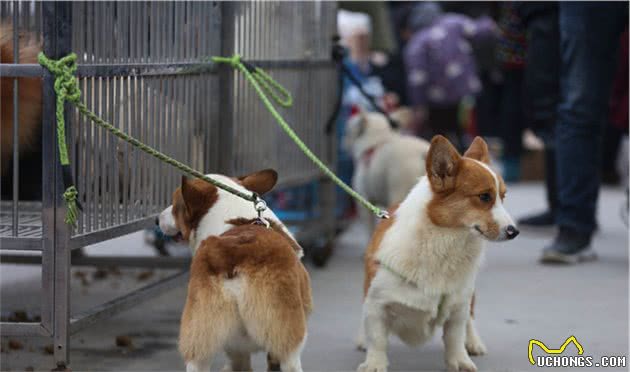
(389, 288)
(412, 312)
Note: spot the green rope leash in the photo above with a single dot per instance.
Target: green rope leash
(279, 93)
(67, 89)
(236, 63)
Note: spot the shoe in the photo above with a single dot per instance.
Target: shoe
(569, 247)
(543, 219)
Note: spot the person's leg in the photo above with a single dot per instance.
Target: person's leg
(612, 142)
(542, 87)
(512, 123)
(589, 35)
(444, 120)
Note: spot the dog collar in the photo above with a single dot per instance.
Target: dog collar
(396, 273)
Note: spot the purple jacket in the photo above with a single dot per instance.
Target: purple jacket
(440, 65)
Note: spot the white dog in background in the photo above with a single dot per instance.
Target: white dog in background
(387, 163)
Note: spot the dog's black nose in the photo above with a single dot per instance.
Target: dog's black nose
(512, 232)
(157, 221)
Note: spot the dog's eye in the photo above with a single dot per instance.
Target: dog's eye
(485, 197)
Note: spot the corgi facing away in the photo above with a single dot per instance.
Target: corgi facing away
(421, 264)
(387, 163)
(248, 290)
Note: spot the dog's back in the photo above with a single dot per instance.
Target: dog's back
(248, 284)
(397, 167)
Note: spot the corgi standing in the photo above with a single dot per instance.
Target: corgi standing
(421, 264)
(248, 290)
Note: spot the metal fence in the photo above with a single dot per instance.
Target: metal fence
(139, 69)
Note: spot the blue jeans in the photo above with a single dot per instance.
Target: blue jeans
(589, 37)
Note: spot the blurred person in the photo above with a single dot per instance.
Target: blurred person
(618, 117)
(383, 40)
(541, 91)
(589, 38)
(511, 56)
(441, 68)
(355, 31)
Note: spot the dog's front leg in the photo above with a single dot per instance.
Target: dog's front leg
(474, 345)
(376, 336)
(454, 337)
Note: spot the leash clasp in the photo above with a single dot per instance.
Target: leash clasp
(383, 214)
(260, 206)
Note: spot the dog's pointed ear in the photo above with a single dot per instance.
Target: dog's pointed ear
(260, 182)
(442, 164)
(198, 195)
(478, 150)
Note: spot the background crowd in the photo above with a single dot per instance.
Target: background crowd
(531, 77)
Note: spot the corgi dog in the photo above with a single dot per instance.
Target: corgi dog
(387, 163)
(421, 264)
(248, 290)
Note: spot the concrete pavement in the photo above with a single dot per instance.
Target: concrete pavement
(517, 299)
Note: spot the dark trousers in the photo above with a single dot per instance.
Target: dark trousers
(444, 120)
(542, 82)
(589, 37)
(512, 121)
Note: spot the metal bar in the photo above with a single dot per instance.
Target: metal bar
(16, 127)
(21, 244)
(226, 86)
(106, 261)
(156, 69)
(116, 166)
(63, 20)
(23, 329)
(123, 303)
(49, 156)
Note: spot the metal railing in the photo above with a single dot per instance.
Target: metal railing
(138, 69)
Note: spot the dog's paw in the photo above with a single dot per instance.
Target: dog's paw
(462, 363)
(372, 367)
(475, 347)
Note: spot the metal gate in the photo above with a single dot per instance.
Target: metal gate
(139, 69)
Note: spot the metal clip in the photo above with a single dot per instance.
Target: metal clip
(260, 205)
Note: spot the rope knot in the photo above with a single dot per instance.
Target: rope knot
(233, 61)
(70, 197)
(66, 89)
(64, 69)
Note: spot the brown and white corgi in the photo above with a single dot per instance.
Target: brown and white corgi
(248, 289)
(421, 264)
